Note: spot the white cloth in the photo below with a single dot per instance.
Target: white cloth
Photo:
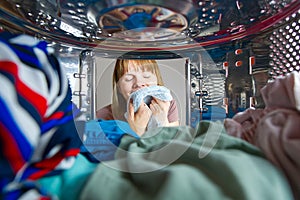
(145, 94)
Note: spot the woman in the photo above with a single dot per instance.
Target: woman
(128, 77)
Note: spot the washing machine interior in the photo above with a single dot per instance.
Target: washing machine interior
(214, 55)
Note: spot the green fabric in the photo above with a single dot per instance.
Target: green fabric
(69, 183)
(183, 163)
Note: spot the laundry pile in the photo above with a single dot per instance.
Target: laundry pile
(38, 137)
(275, 129)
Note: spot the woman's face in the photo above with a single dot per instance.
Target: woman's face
(135, 79)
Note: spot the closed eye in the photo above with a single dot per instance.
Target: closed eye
(147, 74)
(128, 78)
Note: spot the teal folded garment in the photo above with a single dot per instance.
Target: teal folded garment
(69, 183)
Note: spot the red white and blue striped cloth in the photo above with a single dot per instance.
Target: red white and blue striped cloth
(38, 137)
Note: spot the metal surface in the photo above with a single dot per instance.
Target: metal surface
(169, 25)
(233, 47)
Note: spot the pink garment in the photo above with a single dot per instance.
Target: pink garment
(278, 136)
(276, 128)
(283, 92)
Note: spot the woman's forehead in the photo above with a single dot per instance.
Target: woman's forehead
(139, 66)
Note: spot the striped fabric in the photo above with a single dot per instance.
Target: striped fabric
(37, 133)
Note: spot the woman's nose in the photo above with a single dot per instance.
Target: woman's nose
(140, 83)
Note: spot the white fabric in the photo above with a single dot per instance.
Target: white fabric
(145, 94)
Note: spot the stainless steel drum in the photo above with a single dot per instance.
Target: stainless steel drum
(230, 49)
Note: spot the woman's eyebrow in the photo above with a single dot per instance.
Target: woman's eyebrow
(128, 74)
(148, 72)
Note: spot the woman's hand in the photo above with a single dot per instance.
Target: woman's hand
(160, 110)
(138, 121)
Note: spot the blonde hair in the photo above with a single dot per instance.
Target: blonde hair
(119, 104)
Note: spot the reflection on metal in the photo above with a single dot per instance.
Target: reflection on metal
(83, 93)
(207, 89)
(238, 85)
(248, 42)
(84, 23)
(140, 16)
(188, 91)
(259, 64)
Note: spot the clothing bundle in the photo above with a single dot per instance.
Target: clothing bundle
(38, 136)
(275, 129)
(169, 165)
